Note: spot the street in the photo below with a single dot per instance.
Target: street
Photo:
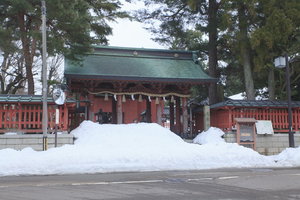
(218, 184)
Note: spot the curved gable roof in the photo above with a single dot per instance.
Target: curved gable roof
(138, 64)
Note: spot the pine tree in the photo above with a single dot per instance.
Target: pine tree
(277, 33)
(182, 25)
(72, 27)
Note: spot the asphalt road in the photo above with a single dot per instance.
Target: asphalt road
(221, 184)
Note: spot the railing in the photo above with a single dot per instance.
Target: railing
(27, 118)
(224, 119)
(75, 119)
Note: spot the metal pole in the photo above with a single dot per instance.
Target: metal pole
(288, 89)
(56, 124)
(44, 78)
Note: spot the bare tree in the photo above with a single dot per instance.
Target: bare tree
(12, 76)
(54, 72)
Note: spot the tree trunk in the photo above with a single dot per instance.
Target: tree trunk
(212, 49)
(245, 51)
(250, 92)
(29, 76)
(271, 84)
(2, 76)
(27, 54)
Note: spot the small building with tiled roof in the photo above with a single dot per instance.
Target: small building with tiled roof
(223, 114)
(23, 114)
(125, 85)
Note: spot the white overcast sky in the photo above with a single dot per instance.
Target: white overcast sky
(128, 33)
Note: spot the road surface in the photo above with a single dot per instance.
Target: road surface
(221, 184)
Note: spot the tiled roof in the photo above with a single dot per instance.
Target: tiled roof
(254, 103)
(138, 64)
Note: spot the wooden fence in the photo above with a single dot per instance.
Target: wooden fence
(225, 118)
(17, 117)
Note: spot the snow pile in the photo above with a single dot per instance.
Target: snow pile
(10, 133)
(218, 152)
(212, 135)
(136, 147)
(289, 157)
(239, 96)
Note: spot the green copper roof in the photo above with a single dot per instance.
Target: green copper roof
(138, 64)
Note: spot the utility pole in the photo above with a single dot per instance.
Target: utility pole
(281, 62)
(44, 78)
(288, 89)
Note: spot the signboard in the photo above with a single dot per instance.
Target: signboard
(246, 133)
(264, 127)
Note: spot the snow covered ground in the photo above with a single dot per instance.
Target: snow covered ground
(137, 147)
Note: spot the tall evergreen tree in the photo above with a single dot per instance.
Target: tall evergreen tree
(277, 33)
(247, 35)
(245, 48)
(72, 26)
(212, 27)
(179, 21)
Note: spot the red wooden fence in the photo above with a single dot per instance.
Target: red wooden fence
(17, 117)
(224, 118)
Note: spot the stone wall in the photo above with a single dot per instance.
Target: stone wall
(268, 144)
(35, 141)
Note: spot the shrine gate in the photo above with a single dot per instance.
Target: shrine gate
(128, 85)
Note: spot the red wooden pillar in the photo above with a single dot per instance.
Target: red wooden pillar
(230, 119)
(1, 121)
(139, 109)
(25, 116)
(86, 109)
(171, 107)
(92, 106)
(66, 114)
(178, 116)
(6, 116)
(35, 122)
(148, 111)
(158, 112)
(19, 116)
(296, 119)
(119, 110)
(184, 115)
(114, 110)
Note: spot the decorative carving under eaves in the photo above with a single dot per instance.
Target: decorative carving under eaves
(129, 87)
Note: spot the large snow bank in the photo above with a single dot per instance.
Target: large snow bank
(133, 147)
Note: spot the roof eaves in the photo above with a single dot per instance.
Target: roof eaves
(255, 103)
(140, 49)
(137, 56)
(146, 79)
